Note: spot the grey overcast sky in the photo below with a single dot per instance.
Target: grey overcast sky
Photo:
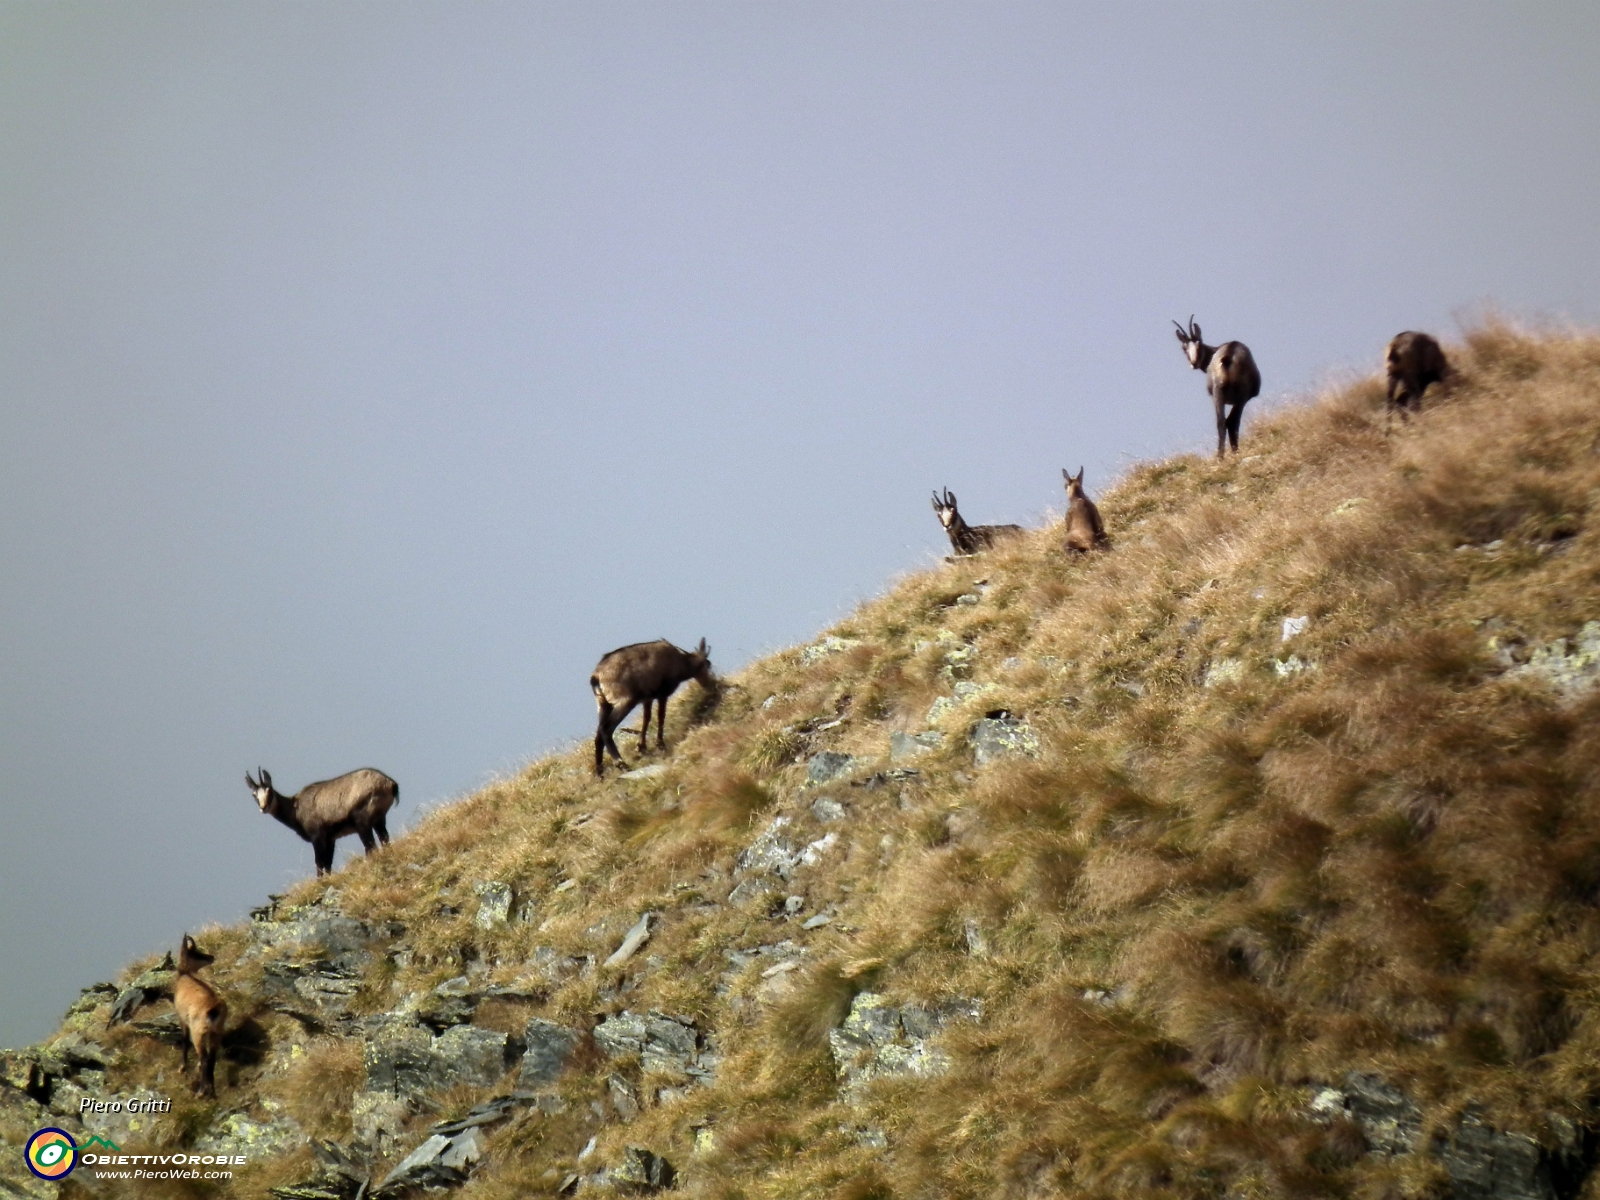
(368, 369)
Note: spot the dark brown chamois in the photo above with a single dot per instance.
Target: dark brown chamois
(1231, 380)
(201, 1014)
(647, 673)
(1413, 361)
(1085, 531)
(323, 812)
(968, 539)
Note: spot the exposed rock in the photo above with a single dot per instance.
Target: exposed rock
(828, 810)
(494, 904)
(1293, 665)
(903, 746)
(451, 1003)
(1223, 671)
(636, 937)
(771, 853)
(1569, 665)
(377, 1120)
(814, 851)
(752, 893)
(92, 997)
(1388, 1119)
(1294, 627)
(237, 1133)
(830, 765)
(977, 940)
(878, 1039)
(402, 1058)
(816, 922)
(642, 1170)
(1001, 735)
(624, 1097)
(653, 771)
(1486, 1164)
(549, 1047)
(466, 1054)
(664, 1043)
(439, 1162)
(818, 651)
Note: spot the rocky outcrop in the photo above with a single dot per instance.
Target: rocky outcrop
(878, 1039)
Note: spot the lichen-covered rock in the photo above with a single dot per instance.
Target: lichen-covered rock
(1487, 1164)
(904, 746)
(818, 651)
(466, 1054)
(494, 904)
(451, 1003)
(878, 1039)
(664, 1043)
(772, 853)
(642, 1170)
(1569, 665)
(377, 1120)
(1001, 736)
(548, 1049)
(237, 1133)
(830, 765)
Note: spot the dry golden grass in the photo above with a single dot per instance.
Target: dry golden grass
(1193, 905)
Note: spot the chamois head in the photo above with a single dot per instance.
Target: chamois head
(191, 958)
(1074, 483)
(1193, 348)
(261, 789)
(703, 675)
(945, 507)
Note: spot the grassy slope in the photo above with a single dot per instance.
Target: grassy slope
(1389, 862)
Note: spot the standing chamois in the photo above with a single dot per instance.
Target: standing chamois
(1413, 361)
(645, 672)
(323, 812)
(201, 1014)
(1231, 380)
(968, 539)
(1084, 530)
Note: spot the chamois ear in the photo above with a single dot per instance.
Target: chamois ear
(1065, 475)
(250, 783)
(704, 651)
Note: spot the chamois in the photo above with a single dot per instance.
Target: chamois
(968, 539)
(1231, 380)
(201, 1014)
(1413, 360)
(323, 812)
(1084, 529)
(647, 672)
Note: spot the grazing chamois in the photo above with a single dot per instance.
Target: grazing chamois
(968, 539)
(647, 673)
(1231, 380)
(1413, 361)
(323, 812)
(1084, 529)
(201, 1014)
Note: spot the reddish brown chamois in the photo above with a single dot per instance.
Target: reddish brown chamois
(1232, 380)
(644, 673)
(1412, 361)
(968, 539)
(324, 812)
(201, 1015)
(1085, 531)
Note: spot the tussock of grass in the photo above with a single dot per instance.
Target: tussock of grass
(1193, 906)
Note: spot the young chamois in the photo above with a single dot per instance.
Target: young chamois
(1084, 529)
(323, 812)
(1231, 380)
(201, 1014)
(968, 539)
(645, 672)
(1413, 361)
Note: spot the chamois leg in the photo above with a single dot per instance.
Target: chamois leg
(644, 730)
(604, 742)
(1222, 427)
(322, 846)
(208, 1071)
(381, 828)
(661, 723)
(1234, 414)
(367, 843)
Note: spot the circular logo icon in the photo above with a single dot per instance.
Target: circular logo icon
(52, 1154)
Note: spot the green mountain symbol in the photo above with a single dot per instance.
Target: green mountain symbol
(99, 1142)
